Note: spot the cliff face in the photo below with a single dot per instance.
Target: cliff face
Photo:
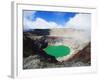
(84, 55)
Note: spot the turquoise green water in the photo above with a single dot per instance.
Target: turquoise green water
(57, 51)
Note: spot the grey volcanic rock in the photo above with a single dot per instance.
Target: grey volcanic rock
(31, 62)
(78, 64)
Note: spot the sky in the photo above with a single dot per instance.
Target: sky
(49, 19)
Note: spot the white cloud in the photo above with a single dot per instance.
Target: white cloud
(39, 23)
(80, 21)
(27, 24)
(29, 14)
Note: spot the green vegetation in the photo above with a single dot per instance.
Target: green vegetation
(57, 51)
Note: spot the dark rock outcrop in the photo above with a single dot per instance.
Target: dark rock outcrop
(32, 47)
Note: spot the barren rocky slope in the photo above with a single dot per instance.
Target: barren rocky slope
(77, 40)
